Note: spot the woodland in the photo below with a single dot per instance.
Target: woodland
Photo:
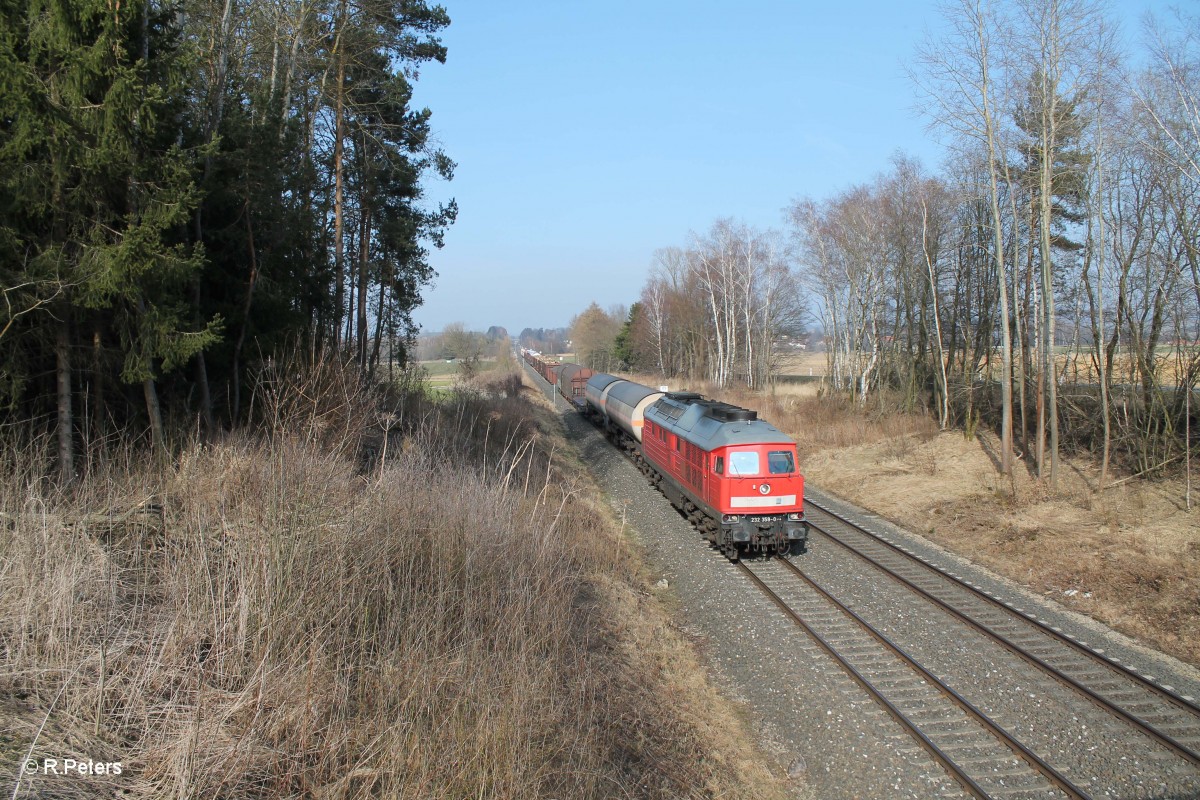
(188, 188)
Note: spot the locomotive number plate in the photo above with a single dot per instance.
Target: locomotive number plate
(765, 518)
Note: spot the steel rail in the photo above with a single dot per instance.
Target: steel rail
(1172, 697)
(1019, 749)
(1132, 719)
(961, 777)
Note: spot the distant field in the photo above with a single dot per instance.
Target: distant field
(444, 373)
(802, 363)
(1075, 366)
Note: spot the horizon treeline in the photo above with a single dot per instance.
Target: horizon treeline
(189, 188)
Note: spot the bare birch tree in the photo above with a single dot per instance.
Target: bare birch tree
(958, 83)
(1057, 37)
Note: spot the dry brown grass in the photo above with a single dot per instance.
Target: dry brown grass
(448, 615)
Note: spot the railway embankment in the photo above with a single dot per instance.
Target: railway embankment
(1127, 555)
(974, 705)
(385, 597)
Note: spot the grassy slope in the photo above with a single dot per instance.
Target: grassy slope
(273, 616)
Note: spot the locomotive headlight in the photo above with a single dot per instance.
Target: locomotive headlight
(795, 517)
(730, 518)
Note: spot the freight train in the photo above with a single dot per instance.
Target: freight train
(733, 475)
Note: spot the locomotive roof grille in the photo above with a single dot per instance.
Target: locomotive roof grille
(728, 413)
(674, 404)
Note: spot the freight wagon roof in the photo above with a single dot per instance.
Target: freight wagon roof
(699, 422)
(601, 379)
(571, 369)
(631, 393)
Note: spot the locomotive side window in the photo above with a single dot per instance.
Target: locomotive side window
(743, 462)
(780, 462)
(720, 467)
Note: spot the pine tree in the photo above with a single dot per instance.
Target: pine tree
(98, 190)
(1054, 172)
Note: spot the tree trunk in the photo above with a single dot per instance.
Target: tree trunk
(206, 417)
(339, 211)
(236, 367)
(154, 412)
(944, 411)
(211, 126)
(1049, 373)
(376, 345)
(66, 437)
(364, 253)
(98, 392)
(1006, 351)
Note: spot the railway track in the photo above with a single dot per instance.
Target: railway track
(1138, 699)
(986, 760)
(978, 753)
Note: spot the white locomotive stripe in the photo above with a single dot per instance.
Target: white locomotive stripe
(758, 501)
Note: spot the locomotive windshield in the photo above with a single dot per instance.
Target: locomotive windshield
(780, 462)
(743, 462)
(748, 463)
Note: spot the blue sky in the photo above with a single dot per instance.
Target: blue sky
(587, 135)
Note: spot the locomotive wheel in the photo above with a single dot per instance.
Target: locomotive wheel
(729, 547)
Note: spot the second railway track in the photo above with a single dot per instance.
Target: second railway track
(1104, 729)
(1155, 709)
(982, 757)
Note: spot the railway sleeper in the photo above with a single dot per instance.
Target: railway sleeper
(899, 693)
(980, 750)
(946, 726)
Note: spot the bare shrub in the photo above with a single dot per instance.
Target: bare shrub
(316, 395)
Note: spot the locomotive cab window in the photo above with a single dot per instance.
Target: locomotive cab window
(743, 462)
(720, 466)
(780, 462)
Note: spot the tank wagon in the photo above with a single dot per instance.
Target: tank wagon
(619, 407)
(733, 475)
(595, 393)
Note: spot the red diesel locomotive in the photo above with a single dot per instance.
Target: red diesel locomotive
(732, 474)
